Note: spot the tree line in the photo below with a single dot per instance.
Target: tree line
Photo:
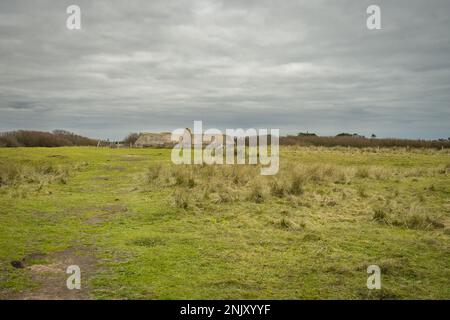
(56, 138)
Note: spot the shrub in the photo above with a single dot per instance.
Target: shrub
(306, 134)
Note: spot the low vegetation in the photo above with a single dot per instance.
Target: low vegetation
(18, 175)
(357, 141)
(154, 230)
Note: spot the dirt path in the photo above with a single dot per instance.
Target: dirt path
(51, 277)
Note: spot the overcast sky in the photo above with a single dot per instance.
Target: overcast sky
(157, 65)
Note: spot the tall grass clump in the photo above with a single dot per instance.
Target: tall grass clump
(184, 177)
(362, 191)
(296, 187)
(362, 172)
(181, 199)
(256, 193)
(287, 224)
(153, 173)
(278, 189)
(9, 173)
(412, 217)
(17, 174)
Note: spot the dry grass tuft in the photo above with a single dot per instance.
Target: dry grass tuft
(17, 175)
(296, 187)
(181, 199)
(413, 217)
(287, 224)
(256, 193)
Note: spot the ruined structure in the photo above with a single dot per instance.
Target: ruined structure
(163, 139)
(154, 140)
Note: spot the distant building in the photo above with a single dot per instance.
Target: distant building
(154, 140)
(163, 139)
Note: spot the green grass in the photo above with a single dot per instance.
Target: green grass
(160, 231)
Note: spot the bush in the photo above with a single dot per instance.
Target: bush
(306, 134)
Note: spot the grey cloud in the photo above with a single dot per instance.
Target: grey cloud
(294, 65)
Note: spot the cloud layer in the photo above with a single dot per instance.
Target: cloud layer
(295, 65)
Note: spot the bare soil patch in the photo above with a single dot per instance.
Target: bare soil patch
(51, 277)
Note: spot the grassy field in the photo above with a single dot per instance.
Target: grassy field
(142, 228)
